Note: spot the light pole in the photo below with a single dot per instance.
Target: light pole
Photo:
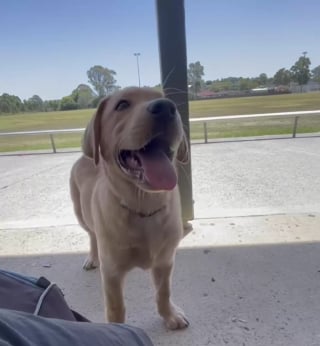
(138, 68)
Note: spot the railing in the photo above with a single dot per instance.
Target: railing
(295, 115)
(43, 132)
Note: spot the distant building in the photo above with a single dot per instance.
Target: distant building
(206, 94)
(262, 90)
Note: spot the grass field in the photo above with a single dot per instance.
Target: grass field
(221, 129)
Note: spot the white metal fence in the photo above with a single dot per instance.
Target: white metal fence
(204, 120)
(294, 115)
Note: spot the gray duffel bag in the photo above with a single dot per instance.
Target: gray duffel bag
(33, 312)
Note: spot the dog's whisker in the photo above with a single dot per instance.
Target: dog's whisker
(176, 89)
(167, 78)
(184, 170)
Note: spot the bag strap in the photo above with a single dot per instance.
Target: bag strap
(42, 298)
(47, 285)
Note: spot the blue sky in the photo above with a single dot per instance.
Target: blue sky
(47, 46)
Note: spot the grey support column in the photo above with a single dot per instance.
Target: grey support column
(173, 63)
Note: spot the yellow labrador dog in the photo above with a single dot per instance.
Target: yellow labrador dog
(125, 194)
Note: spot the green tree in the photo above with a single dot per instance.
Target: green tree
(95, 102)
(282, 77)
(221, 85)
(68, 103)
(195, 74)
(10, 104)
(248, 83)
(83, 95)
(301, 70)
(5, 103)
(316, 74)
(51, 105)
(263, 79)
(34, 104)
(245, 84)
(102, 79)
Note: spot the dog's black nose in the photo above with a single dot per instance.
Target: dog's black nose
(162, 108)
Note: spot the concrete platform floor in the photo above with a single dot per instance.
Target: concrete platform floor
(248, 274)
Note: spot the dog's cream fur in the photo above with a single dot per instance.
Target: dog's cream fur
(129, 225)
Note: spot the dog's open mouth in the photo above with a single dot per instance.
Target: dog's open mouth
(151, 165)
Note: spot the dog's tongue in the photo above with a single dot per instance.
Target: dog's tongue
(158, 170)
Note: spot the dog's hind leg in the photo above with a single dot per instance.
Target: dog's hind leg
(92, 261)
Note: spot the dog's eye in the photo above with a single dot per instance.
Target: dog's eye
(121, 105)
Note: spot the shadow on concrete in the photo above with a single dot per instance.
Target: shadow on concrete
(239, 295)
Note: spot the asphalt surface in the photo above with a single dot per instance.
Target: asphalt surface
(248, 274)
(229, 179)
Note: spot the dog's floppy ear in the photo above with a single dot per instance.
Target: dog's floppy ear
(97, 129)
(183, 150)
(87, 140)
(92, 134)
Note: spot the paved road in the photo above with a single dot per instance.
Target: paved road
(229, 179)
(260, 177)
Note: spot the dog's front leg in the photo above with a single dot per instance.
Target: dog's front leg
(174, 317)
(112, 284)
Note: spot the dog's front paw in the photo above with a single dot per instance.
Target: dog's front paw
(90, 263)
(176, 319)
